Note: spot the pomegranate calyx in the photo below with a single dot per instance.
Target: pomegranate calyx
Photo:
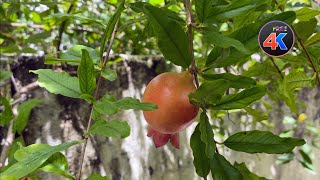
(160, 139)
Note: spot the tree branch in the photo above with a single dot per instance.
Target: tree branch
(96, 97)
(275, 65)
(61, 29)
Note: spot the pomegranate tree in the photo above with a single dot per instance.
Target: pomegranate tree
(169, 91)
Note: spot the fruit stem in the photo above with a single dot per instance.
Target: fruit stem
(96, 97)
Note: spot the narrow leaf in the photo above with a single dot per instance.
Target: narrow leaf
(75, 53)
(86, 74)
(257, 115)
(203, 8)
(315, 38)
(131, 103)
(235, 8)
(24, 110)
(57, 164)
(114, 128)
(7, 115)
(297, 80)
(5, 75)
(235, 81)
(58, 82)
(109, 105)
(223, 41)
(246, 173)
(172, 40)
(306, 13)
(110, 26)
(207, 135)
(109, 74)
(305, 28)
(209, 93)
(261, 142)
(33, 156)
(242, 99)
(201, 161)
(83, 19)
(54, 60)
(221, 169)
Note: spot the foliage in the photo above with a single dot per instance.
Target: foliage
(81, 34)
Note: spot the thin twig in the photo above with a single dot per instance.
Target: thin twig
(193, 68)
(6, 146)
(313, 65)
(61, 29)
(96, 96)
(275, 65)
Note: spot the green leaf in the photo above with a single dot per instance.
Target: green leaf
(207, 135)
(97, 177)
(11, 49)
(314, 39)
(305, 28)
(110, 27)
(241, 100)
(235, 8)
(28, 50)
(203, 8)
(131, 103)
(109, 74)
(59, 82)
(246, 173)
(86, 74)
(305, 156)
(75, 53)
(248, 36)
(24, 110)
(12, 149)
(89, 98)
(224, 41)
(114, 128)
(32, 157)
(54, 60)
(257, 115)
(57, 164)
(172, 40)
(210, 92)
(306, 13)
(7, 115)
(297, 80)
(63, 16)
(39, 37)
(109, 105)
(5, 75)
(221, 169)
(235, 81)
(245, 19)
(138, 7)
(261, 142)
(201, 161)
(8, 178)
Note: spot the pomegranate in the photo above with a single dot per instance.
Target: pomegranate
(169, 91)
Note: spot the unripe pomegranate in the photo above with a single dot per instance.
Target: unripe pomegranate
(169, 91)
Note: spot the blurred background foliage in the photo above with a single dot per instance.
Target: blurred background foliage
(48, 28)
